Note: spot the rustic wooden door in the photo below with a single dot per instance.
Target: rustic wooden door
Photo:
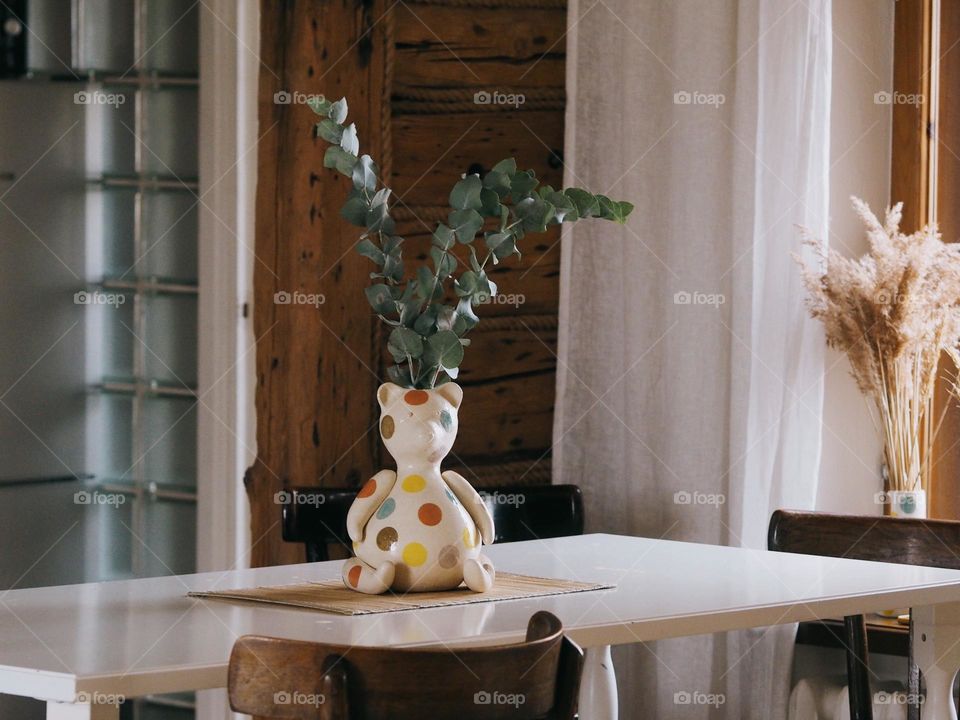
(437, 88)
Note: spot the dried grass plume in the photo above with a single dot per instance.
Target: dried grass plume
(893, 311)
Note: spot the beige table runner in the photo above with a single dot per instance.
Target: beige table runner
(331, 596)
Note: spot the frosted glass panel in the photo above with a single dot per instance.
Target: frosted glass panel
(171, 338)
(115, 210)
(170, 135)
(106, 35)
(169, 236)
(111, 542)
(111, 128)
(170, 533)
(170, 432)
(114, 316)
(113, 415)
(172, 30)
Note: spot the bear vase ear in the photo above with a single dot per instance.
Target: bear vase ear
(387, 393)
(452, 393)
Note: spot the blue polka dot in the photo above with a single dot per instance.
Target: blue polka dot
(446, 420)
(386, 510)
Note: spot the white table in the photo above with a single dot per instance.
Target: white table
(140, 637)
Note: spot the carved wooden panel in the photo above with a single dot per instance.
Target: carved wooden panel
(412, 72)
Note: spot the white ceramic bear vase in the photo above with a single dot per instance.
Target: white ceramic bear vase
(418, 529)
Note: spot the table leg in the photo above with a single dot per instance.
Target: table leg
(81, 711)
(598, 687)
(937, 651)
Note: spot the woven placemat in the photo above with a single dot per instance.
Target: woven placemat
(331, 596)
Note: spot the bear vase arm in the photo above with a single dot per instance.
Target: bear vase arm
(471, 500)
(368, 500)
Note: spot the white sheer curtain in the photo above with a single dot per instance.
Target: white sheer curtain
(690, 380)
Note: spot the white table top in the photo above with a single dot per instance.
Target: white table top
(145, 636)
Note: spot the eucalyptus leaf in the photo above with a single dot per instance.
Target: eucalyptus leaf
(338, 111)
(466, 194)
(426, 324)
(319, 104)
(466, 285)
(498, 182)
(368, 248)
(443, 262)
(443, 237)
(355, 211)
(507, 167)
(466, 224)
(329, 131)
(489, 203)
(400, 375)
(337, 157)
(522, 184)
(405, 343)
(365, 174)
(381, 299)
(393, 267)
(349, 141)
(444, 349)
(466, 315)
(586, 203)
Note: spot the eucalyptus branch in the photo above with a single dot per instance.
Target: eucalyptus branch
(429, 336)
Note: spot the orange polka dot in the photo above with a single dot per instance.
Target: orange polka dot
(416, 397)
(430, 514)
(354, 575)
(369, 489)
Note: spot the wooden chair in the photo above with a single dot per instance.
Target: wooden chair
(933, 543)
(539, 678)
(317, 517)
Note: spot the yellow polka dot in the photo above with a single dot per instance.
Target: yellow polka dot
(413, 483)
(468, 538)
(414, 554)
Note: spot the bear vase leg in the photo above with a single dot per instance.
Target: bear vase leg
(598, 689)
(479, 574)
(359, 576)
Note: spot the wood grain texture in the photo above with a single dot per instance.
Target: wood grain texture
(410, 75)
(315, 383)
(266, 675)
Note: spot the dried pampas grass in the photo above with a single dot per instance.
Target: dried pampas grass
(893, 312)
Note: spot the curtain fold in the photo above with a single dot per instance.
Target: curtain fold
(689, 390)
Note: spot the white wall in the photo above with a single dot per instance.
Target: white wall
(860, 153)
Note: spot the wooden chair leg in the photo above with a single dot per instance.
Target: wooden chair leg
(858, 674)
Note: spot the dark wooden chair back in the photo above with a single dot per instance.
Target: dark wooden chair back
(539, 678)
(933, 543)
(317, 517)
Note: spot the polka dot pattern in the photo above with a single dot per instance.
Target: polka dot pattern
(386, 510)
(430, 514)
(416, 397)
(449, 556)
(446, 420)
(387, 427)
(368, 489)
(414, 554)
(413, 483)
(354, 575)
(387, 538)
